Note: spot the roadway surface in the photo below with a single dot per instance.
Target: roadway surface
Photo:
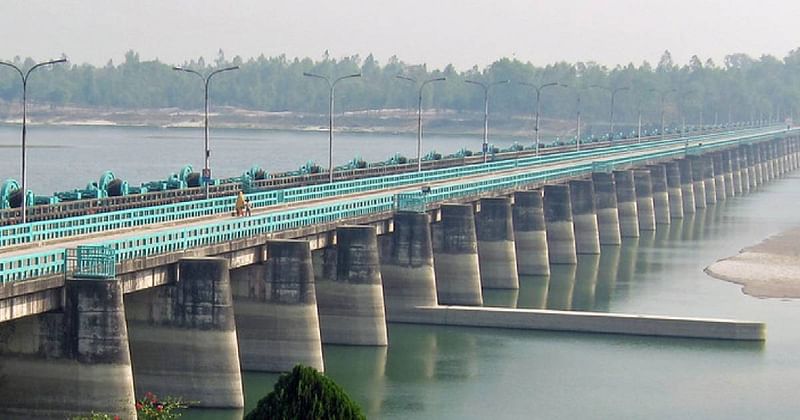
(134, 232)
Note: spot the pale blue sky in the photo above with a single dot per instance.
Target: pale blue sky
(437, 32)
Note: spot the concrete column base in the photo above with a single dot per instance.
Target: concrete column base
(608, 226)
(455, 257)
(65, 364)
(532, 253)
(700, 195)
(183, 336)
(687, 196)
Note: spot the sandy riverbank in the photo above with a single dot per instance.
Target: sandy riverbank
(770, 269)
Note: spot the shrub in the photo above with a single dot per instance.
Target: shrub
(305, 393)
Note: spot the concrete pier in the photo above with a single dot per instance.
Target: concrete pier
(530, 234)
(753, 168)
(769, 155)
(674, 194)
(727, 174)
(183, 336)
(658, 178)
(644, 200)
(736, 171)
(761, 169)
(605, 201)
(744, 168)
(698, 171)
(687, 186)
(64, 364)
(719, 177)
(626, 204)
(497, 256)
(709, 179)
(455, 256)
(407, 269)
(558, 219)
(351, 308)
(584, 217)
(275, 307)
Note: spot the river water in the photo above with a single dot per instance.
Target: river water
(477, 373)
(65, 158)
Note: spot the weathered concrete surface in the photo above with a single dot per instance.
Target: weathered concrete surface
(661, 205)
(497, 255)
(709, 181)
(674, 194)
(728, 173)
(351, 305)
(407, 269)
(530, 234)
(605, 200)
(644, 200)
(698, 173)
(558, 218)
(65, 364)
(584, 217)
(720, 186)
(275, 307)
(593, 322)
(183, 336)
(455, 256)
(687, 186)
(626, 204)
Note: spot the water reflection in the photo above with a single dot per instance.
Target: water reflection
(608, 267)
(583, 295)
(361, 370)
(503, 298)
(562, 284)
(533, 292)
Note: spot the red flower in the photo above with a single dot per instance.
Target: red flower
(160, 407)
(139, 406)
(116, 418)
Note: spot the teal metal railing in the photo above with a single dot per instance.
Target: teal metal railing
(173, 240)
(99, 223)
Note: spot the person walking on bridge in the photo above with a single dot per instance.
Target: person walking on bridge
(240, 204)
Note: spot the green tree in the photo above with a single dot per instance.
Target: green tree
(305, 393)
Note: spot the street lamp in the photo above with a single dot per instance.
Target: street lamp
(419, 113)
(613, 92)
(206, 175)
(332, 87)
(539, 89)
(486, 87)
(24, 76)
(663, 94)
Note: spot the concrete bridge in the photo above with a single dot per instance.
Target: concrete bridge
(178, 299)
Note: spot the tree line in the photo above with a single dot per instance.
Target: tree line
(742, 88)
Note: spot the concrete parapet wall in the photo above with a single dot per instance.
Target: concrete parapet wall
(592, 322)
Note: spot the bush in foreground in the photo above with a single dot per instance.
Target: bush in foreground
(305, 393)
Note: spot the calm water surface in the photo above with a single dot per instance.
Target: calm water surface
(476, 373)
(65, 158)
(472, 373)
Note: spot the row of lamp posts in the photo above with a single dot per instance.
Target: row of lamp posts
(206, 79)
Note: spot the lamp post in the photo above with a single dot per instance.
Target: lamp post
(24, 75)
(206, 175)
(419, 113)
(332, 88)
(539, 89)
(486, 87)
(613, 92)
(663, 94)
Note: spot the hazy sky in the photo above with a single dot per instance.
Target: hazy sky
(437, 32)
